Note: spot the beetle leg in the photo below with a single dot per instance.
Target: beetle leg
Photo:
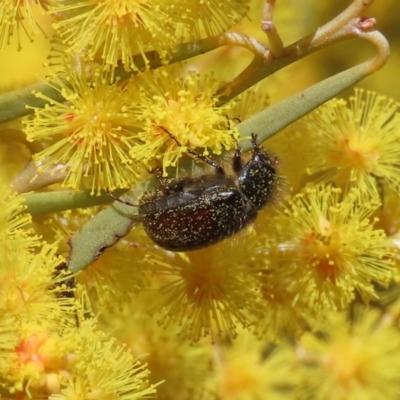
(237, 157)
(237, 160)
(202, 157)
(254, 142)
(228, 121)
(162, 180)
(167, 185)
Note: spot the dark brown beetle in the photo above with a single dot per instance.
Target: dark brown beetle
(191, 213)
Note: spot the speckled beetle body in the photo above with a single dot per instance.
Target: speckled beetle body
(192, 213)
(198, 218)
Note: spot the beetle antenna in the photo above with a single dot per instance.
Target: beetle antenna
(254, 141)
(202, 157)
(121, 201)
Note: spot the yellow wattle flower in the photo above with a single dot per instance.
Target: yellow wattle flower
(186, 107)
(354, 143)
(350, 359)
(329, 248)
(114, 31)
(90, 134)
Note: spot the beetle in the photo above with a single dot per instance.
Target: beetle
(191, 213)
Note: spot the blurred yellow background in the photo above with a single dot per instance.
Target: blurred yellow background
(294, 19)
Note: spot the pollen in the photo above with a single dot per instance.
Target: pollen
(186, 108)
(349, 359)
(117, 30)
(14, 224)
(331, 248)
(353, 143)
(242, 373)
(201, 296)
(17, 17)
(91, 133)
(211, 17)
(120, 377)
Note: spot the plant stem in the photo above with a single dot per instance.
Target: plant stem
(265, 124)
(267, 25)
(273, 119)
(54, 201)
(346, 25)
(14, 104)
